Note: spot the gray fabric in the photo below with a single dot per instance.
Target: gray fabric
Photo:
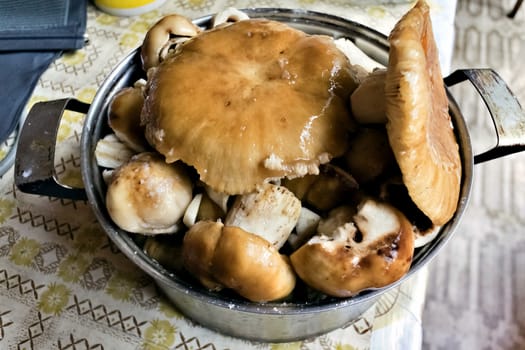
(32, 34)
(42, 24)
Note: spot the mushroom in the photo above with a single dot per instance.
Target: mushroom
(363, 62)
(124, 117)
(239, 260)
(306, 227)
(201, 207)
(230, 126)
(270, 212)
(228, 16)
(419, 127)
(368, 100)
(111, 152)
(147, 195)
(323, 192)
(160, 36)
(373, 251)
(198, 251)
(369, 155)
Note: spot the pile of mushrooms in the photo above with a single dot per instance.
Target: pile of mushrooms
(281, 158)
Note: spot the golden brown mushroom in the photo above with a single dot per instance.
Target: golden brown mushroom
(373, 251)
(250, 101)
(146, 195)
(236, 259)
(124, 117)
(419, 127)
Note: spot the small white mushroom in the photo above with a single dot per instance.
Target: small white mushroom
(111, 153)
(270, 212)
(229, 15)
(146, 195)
(160, 35)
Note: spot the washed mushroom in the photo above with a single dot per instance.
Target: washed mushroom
(419, 127)
(162, 35)
(253, 101)
(271, 212)
(231, 257)
(368, 100)
(373, 250)
(148, 196)
(369, 155)
(124, 117)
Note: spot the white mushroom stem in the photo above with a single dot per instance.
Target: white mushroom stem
(270, 212)
(306, 227)
(190, 215)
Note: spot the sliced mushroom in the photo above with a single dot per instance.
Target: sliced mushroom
(373, 251)
(419, 127)
(238, 260)
(270, 212)
(146, 195)
(124, 117)
(368, 100)
(159, 36)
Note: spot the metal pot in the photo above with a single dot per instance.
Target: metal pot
(275, 322)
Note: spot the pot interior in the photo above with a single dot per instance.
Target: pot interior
(129, 70)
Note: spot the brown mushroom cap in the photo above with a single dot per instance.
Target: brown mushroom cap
(343, 264)
(146, 195)
(250, 101)
(419, 127)
(124, 117)
(239, 260)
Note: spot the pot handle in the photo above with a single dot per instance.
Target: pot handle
(34, 162)
(504, 108)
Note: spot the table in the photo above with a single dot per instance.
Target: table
(64, 285)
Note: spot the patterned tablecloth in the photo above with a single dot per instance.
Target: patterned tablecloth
(64, 285)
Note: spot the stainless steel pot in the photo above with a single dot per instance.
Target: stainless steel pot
(275, 322)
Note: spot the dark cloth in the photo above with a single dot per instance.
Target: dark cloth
(32, 34)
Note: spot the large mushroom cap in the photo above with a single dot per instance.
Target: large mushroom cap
(419, 128)
(250, 101)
